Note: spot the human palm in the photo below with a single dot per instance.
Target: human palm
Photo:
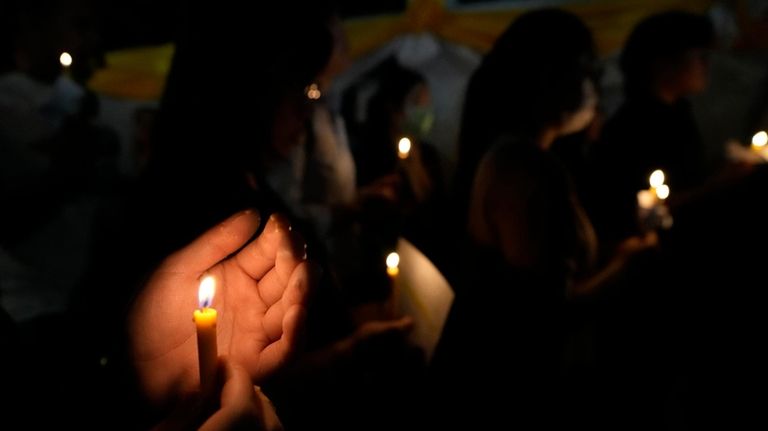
(261, 294)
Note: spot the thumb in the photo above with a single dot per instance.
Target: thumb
(216, 244)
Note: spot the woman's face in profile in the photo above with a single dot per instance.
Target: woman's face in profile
(581, 118)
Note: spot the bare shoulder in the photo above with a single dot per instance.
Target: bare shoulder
(513, 162)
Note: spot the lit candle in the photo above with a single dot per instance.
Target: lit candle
(313, 92)
(652, 211)
(205, 320)
(656, 180)
(66, 60)
(662, 192)
(393, 269)
(759, 141)
(647, 199)
(393, 261)
(403, 148)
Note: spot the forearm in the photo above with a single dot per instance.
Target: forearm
(593, 282)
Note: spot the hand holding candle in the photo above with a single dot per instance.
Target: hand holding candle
(757, 152)
(260, 305)
(652, 212)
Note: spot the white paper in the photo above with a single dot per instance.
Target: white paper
(424, 294)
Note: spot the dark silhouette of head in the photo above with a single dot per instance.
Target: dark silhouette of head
(532, 78)
(536, 70)
(233, 73)
(668, 52)
(386, 107)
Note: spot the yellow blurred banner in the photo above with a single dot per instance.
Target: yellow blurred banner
(140, 73)
(137, 73)
(610, 21)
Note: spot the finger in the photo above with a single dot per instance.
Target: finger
(402, 324)
(262, 254)
(273, 321)
(277, 353)
(240, 404)
(273, 284)
(301, 283)
(216, 244)
(297, 292)
(269, 414)
(238, 389)
(381, 327)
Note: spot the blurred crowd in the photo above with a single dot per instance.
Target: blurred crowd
(577, 303)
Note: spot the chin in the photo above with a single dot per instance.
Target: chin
(577, 122)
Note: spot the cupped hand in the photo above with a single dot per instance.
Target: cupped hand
(261, 296)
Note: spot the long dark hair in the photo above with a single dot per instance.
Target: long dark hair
(229, 72)
(533, 75)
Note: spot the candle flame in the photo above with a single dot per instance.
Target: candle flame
(206, 291)
(393, 260)
(662, 191)
(657, 178)
(403, 147)
(760, 139)
(65, 59)
(313, 92)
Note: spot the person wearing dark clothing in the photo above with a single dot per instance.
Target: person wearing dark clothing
(664, 61)
(529, 244)
(218, 127)
(520, 82)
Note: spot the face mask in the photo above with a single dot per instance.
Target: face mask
(418, 120)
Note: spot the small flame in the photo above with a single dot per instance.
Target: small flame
(207, 290)
(657, 178)
(662, 191)
(760, 139)
(313, 92)
(65, 59)
(403, 147)
(393, 260)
